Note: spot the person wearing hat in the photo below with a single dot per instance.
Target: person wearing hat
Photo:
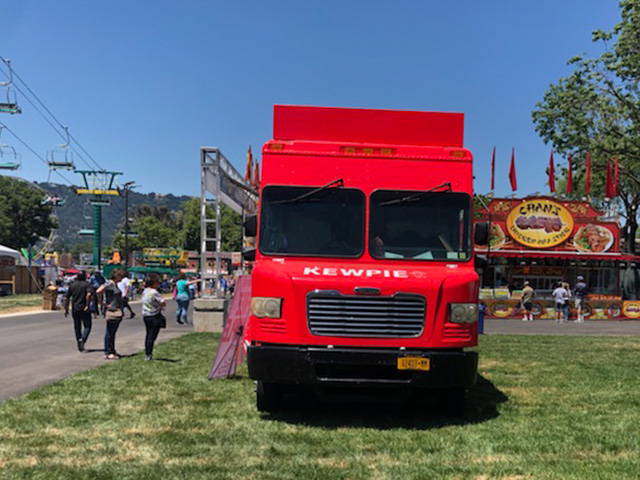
(527, 302)
(580, 292)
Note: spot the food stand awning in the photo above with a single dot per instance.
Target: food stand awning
(561, 255)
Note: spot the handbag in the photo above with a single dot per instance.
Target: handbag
(161, 320)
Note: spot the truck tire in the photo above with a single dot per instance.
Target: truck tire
(453, 401)
(268, 397)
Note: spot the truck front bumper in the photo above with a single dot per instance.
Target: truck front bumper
(342, 366)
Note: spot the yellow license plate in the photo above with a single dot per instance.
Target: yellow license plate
(414, 363)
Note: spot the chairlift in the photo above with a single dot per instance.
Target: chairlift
(53, 201)
(61, 156)
(9, 158)
(10, 104)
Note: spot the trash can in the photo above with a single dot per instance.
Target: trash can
(49, 296)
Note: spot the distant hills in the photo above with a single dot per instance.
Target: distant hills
(76, 213)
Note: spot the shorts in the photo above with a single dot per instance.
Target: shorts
(528, 306)
(579, 302)
(559, 306)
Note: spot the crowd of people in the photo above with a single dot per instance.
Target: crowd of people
(562, 297)
(89, 298)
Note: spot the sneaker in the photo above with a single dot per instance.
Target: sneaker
(148, 357)
(132, 315)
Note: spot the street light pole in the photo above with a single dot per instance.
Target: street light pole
(127, 187)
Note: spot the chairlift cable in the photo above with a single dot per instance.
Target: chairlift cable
(26, 145)
(61, 125)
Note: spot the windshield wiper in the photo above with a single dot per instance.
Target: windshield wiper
(416, 196)
(336, 183)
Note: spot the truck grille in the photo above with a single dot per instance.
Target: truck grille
(330, 313)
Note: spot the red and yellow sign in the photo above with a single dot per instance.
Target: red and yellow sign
(544, 223)
(631, 309)
(539, 223)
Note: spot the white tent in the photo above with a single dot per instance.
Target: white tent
(10, 252)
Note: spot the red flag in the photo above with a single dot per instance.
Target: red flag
(512, 171)
(569, 174)
(616, 178)
(608, 185)
(587, 176)
(493, 169)
(551, 172)
(248, 173)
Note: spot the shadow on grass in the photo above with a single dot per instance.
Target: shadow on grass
(415, 414)
(169, 360)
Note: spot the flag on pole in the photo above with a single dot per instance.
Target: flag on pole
(551, 172)
(616, 178)
(569, 174)
(493, 169)
(587, 176)
(608, 185)
(248, 173)
(512, 171)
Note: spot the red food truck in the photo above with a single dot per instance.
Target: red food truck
(364, 270)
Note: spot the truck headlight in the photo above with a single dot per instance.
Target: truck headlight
(266, 307)
(463, 312)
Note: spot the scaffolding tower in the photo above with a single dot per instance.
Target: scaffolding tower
(220, 183)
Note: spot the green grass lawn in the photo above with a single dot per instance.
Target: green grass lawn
(546, 407)
(14, 302)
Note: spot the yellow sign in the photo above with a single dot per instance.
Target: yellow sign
(539, 223)
(94, 191)
(631, 309)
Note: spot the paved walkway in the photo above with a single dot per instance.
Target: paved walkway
(39, 348)
(549, 327)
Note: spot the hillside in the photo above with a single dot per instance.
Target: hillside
(76, 213)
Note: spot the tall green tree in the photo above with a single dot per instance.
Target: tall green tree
(597, 109)
(23, 218)
(190, 227)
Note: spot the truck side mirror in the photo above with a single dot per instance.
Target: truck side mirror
(250, 226)
(481, 233)
(249, 255)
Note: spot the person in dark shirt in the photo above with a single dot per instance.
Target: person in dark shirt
(79, 296)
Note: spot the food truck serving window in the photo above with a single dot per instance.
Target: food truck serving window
(312, 221)
(420, 225)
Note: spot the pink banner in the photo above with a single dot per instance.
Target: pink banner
(231, 350)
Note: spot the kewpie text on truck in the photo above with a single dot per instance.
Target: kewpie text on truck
(364, 275)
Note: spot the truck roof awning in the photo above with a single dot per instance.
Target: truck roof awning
(358, 125)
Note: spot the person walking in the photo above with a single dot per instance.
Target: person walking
(183, 296)
(80, 295)
(567, 303)
(152, 305)
(112, 299)
(527, 302)
(125, 286)
(560, 296)
(580, 292)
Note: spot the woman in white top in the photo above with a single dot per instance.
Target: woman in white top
(152, 305)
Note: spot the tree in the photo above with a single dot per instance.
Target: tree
(190, 227)
(23, 218)
(597, 109)
(152, 232)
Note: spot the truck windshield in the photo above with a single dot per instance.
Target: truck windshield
(328, 222)
(414, 226)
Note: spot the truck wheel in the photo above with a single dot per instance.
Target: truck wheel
(268, 397)
(453, 401)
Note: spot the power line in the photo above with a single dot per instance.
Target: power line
(60, 124)
(33, 151)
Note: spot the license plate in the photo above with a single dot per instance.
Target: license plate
(414, 363)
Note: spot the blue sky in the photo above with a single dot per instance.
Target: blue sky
(142, 85)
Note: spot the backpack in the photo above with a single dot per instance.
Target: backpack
(113, 297)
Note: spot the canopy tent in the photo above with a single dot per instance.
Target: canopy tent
(10, 252)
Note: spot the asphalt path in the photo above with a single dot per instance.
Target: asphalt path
(550, 327)
(40, 348)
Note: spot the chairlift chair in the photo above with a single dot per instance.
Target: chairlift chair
(9, 158)
(61, 157)
(10, 105)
